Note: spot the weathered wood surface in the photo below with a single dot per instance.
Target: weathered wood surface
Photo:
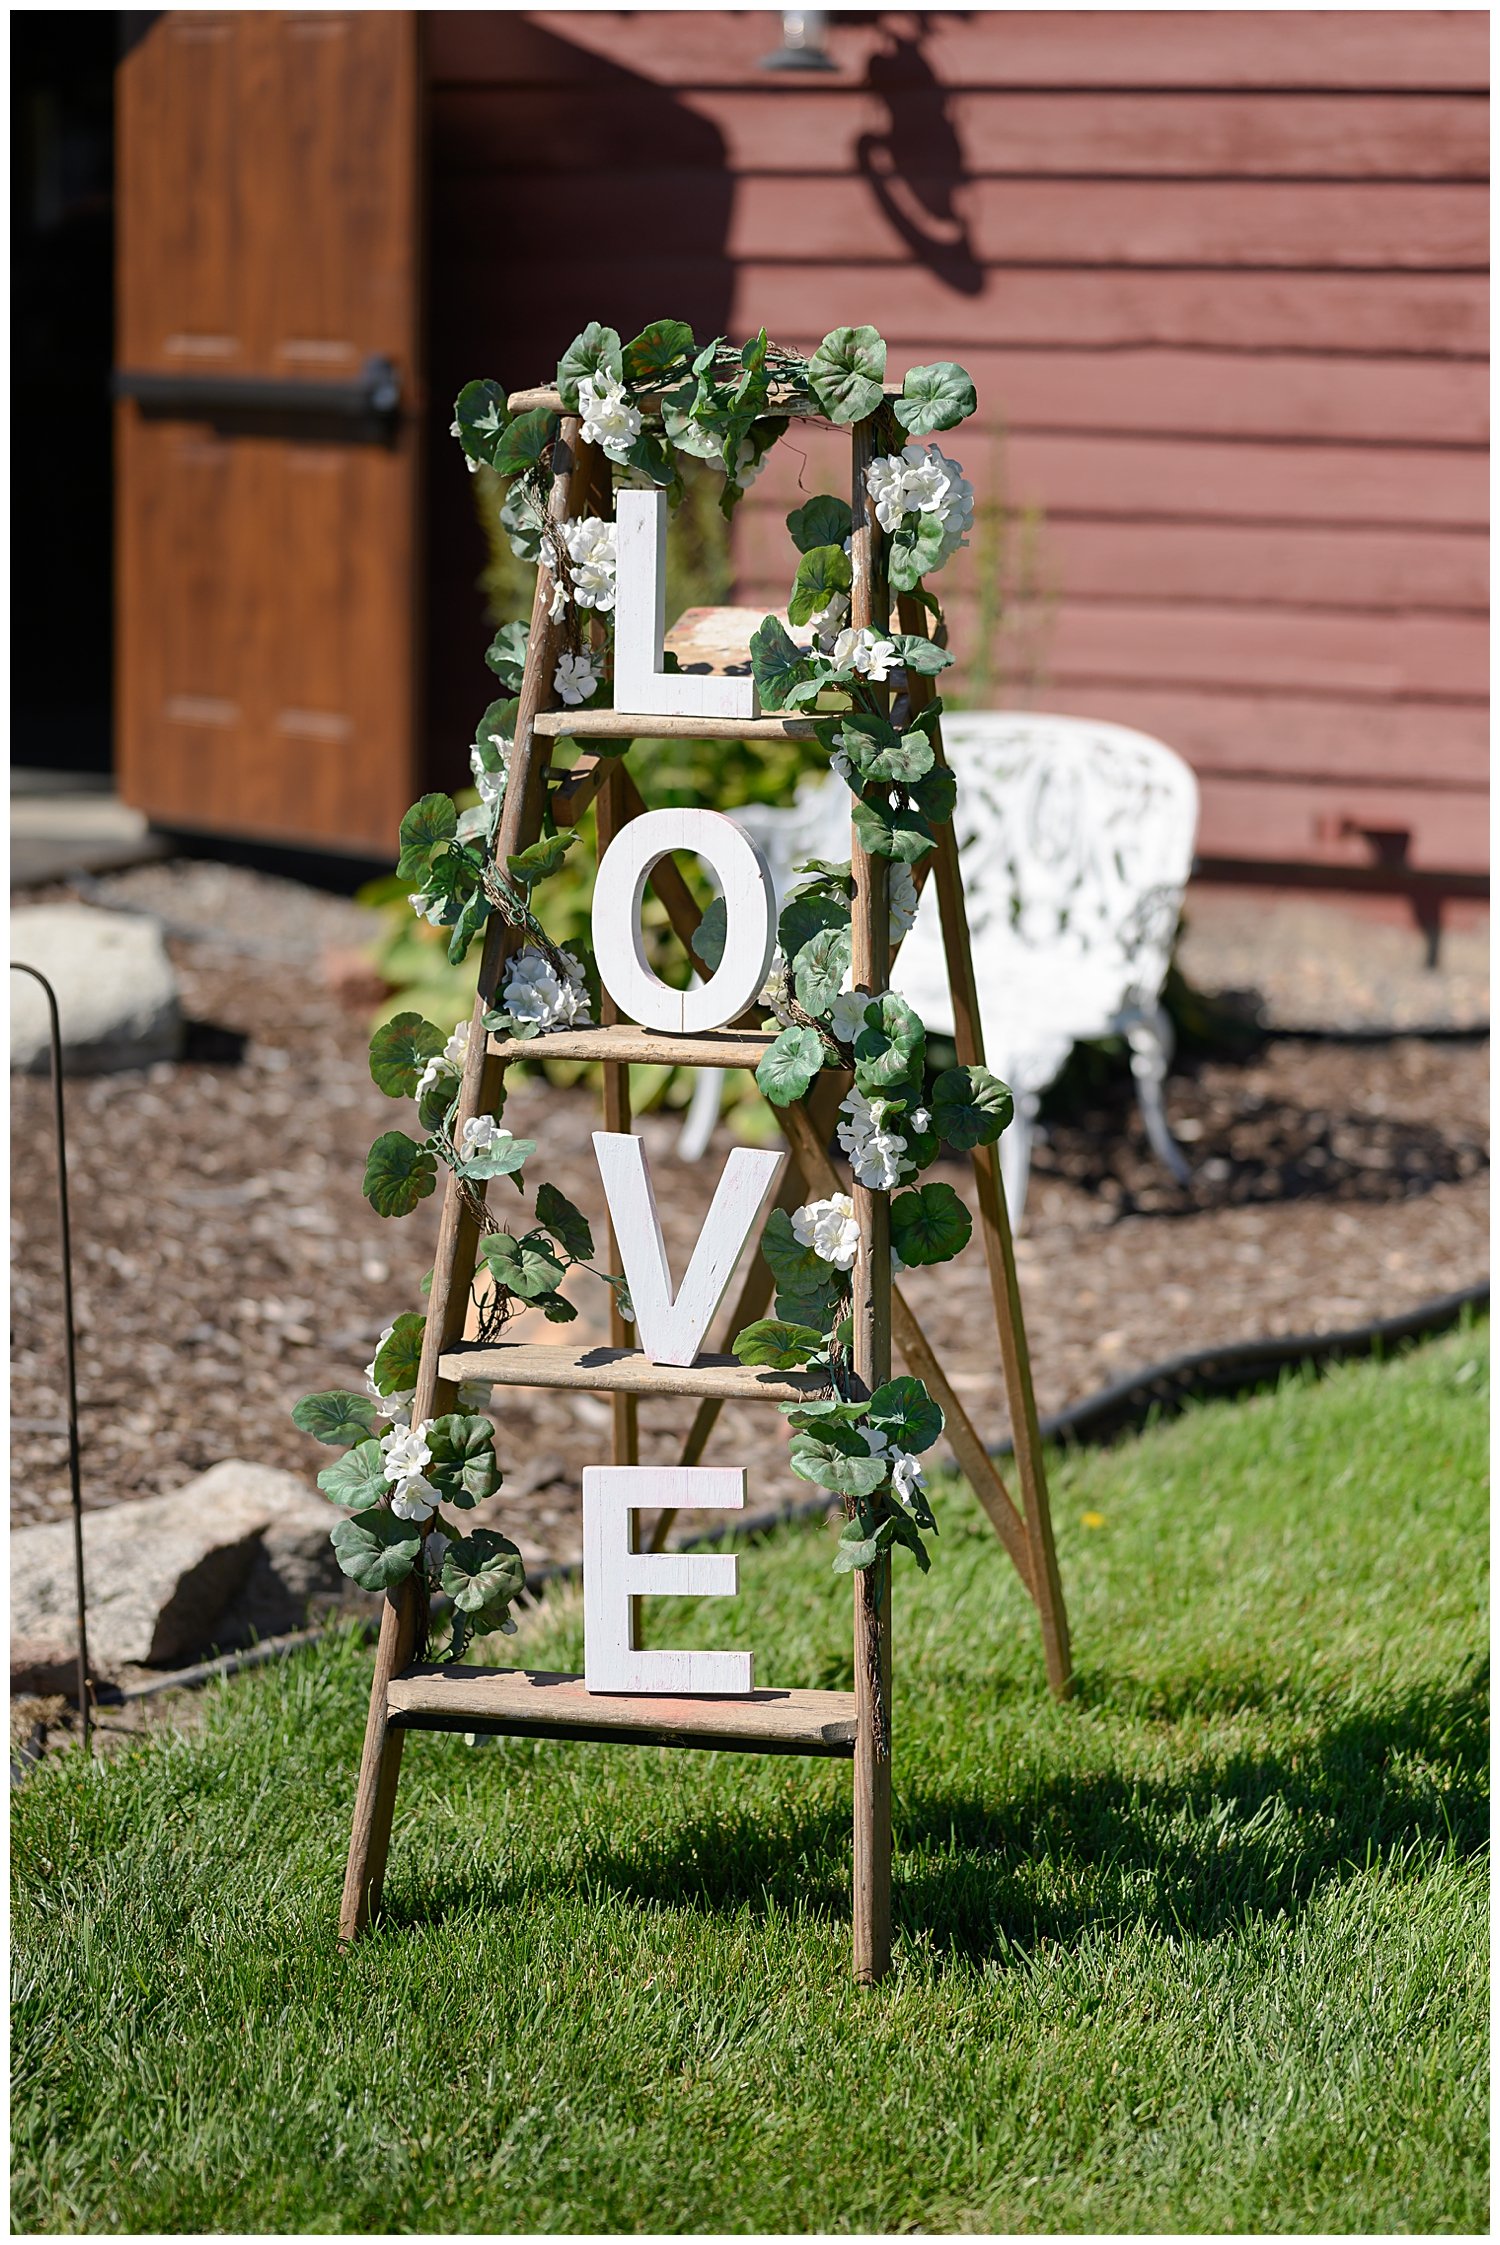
(623, 1043)
(536, 1703)
(610, 725)
(554, 1364)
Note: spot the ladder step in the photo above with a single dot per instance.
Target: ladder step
(548, 400)
(618, 725)
(713, 1048)
(610, 1371)
(534, 1703)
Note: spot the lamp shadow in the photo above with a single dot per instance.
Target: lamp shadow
(984, 1874)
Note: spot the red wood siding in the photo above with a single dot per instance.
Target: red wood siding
(1219, 277)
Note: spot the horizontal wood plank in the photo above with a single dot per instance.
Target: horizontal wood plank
(782, 127)
(1376, 226)
(1409, 49)
(711, 1048)
(615, 725)
(610, 1371)
(538, 1703)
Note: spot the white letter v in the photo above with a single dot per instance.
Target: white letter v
(671, 1331)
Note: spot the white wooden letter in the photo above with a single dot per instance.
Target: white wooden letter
(749, 909)
(671, 1330)
(614, 1572)
(642, 687)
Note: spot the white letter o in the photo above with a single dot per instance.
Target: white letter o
(750, 920)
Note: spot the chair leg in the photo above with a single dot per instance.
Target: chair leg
(702, 1115)
(1151, 1041)
(1015, 1153)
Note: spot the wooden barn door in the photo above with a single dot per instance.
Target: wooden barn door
(269, 387)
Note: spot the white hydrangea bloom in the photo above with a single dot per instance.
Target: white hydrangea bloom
(406, 1451)
(575, 679)
(414, 1498)
(877, 1156)
(865, 652)
(901, 895)
(922, 480)
(480, 1133)
(609, 418)
(590, 545)
(535, 992)
(829, 1228)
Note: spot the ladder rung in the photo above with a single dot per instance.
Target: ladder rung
(618, 725)
(611, 1371)
(796, 409)
(533, 1703)
(713, 1048)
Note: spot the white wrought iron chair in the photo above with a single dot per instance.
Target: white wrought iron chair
(1076, 840)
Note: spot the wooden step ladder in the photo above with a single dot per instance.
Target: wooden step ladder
(410, 1695)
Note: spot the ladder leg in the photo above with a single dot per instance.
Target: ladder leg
(379, 1771)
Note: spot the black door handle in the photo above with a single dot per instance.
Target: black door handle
(365, 409)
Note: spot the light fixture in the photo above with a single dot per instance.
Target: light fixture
(801, 48)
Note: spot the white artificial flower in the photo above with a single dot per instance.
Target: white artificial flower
(414, 1498)
(405, 1451)
(370, 1386)
(447, 1062)
(901, 895)
(427, 908)
(906, 1475)
(469, 461)
(826, 623)
(480, 1133)
(885, 481)
(535, 992)
(590, 544)
(877, 1156)
(865, 652)
(847, 1015)
(491, 785)
(455, 1051)
(922, 480)
(747, 464)
(920, 1119)
(575, 679)
(829, 1228)
(609, 418)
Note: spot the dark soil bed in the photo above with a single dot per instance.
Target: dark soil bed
(226, 1261)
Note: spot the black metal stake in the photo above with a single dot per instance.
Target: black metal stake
(18, 966)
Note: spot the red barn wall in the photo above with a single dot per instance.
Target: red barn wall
(1220, 279)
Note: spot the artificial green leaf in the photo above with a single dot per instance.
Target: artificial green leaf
(896, 833)
(463, 1461)
(556, 1308)
(501, 1158)
(335, 1416)
(506, 654)
(650, 455)
(837, 1459)
(568, 1226)
(777, 664)
(480, 413)
(855, 1550)
(482, 1571)
(877, 751)
(711, 934)
(810, 912)
(915, 547)
(772, 1341)
(377, 1550)
(970, 1107)
(677, 418)
(890, 1047)
(791, 1262)
(788, 1067)
(819, 1411)
(824, 521)
(474, 824)
(398, 1174)
(497, 724)
(819, 968)
(921, 655)
(935, 795)
(426, 827)
(814, 1305)
(475, 911)
(827, 874)
(929, 1224)
(821, 575)
(527, 443)
(934, 397)
(400, 1051)
(528, 1267)
(398, 1359)
(357, 1479)
(451, 880)
(522, 530)
(906, 1413)
(596, 350)
(658, 351)
(542, 859)
(436, 1103)
(904, 1531)
(846, 373)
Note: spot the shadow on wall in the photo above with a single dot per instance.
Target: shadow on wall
(510, 311)
(914, 167)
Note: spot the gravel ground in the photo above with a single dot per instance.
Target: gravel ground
(226, 1260)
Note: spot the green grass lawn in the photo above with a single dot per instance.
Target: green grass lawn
(1205, 1949)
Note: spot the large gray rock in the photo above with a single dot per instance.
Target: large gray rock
(241, 1551)
(116, 992)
